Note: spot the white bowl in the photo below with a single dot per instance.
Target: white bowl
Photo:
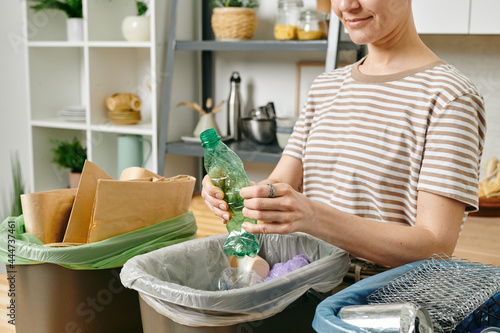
(282, 139)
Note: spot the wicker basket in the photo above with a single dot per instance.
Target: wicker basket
(231, 23)
(124, 117)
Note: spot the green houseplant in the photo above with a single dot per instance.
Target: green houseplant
(69, 155)
(136, 28)
(17, 190)
(72, 8)
(142, 8)
(74, 11)
(234, 19)
(234, 3)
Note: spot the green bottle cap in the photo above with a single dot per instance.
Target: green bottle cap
(209, 138)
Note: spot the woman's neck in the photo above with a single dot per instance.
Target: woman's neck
(402, 50)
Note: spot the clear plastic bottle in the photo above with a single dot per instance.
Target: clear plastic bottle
(312, 25)
(226, 171)
(287, 19)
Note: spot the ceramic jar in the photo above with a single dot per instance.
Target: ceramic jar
(74, 29)
(136, 28)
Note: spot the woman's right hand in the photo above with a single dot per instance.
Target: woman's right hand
(214, 199)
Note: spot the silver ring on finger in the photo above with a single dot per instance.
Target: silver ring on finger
(271, 190)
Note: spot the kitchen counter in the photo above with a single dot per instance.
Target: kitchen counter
(479, 240)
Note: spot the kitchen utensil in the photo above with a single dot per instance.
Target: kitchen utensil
(234, 107)
(271, 111)
(448, 287)
(130, 152)
(261, 131)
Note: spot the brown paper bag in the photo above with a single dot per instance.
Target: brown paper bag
(123, 206)
(46, 213)
(78, 225)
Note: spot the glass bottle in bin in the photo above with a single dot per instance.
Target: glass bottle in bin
(287, 19)
(226, 171)
(312, 25)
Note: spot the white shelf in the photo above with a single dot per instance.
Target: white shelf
(55, 44)
(139, 129)
(119, 44)
(89, 44)
(59, 123)
(62, 73)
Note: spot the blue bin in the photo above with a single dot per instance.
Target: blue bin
(327, 318)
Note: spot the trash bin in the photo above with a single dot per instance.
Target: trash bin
(78, 288)
(177, 286)
(327, 318)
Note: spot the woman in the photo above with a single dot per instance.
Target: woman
(384, 159)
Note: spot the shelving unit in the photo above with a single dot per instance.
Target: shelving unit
(246, 150)
(62, 73)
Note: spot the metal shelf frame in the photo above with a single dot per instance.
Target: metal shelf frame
(246, 150)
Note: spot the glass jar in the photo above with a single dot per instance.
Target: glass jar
(312, 25)
(287, 19)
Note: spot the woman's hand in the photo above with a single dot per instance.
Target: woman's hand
(214, 199)
(288, 211)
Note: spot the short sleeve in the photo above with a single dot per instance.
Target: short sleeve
(453, 149)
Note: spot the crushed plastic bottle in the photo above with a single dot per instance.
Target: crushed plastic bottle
(226, 171)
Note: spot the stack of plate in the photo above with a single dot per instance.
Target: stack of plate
(124, 117)
(72, 113)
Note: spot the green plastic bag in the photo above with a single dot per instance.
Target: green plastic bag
(20, 248)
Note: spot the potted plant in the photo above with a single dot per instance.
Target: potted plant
(234, 19)
(17, 190)
(136, 28)
(72, 8)
(70, 155)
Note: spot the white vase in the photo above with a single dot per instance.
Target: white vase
(74, 29)
(206, 121)
(136, 28)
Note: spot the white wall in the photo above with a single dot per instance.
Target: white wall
(13, 110)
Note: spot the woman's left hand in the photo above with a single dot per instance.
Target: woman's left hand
(285, 212)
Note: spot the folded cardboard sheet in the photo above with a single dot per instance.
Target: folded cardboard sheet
(102, 207)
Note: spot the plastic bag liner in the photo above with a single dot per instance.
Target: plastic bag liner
(113, 252)
(179, 282)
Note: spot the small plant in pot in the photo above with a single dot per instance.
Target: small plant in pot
(135, 28)
(74, 11)
(70, 155)
(234, 19)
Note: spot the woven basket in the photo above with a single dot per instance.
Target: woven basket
(234, 23)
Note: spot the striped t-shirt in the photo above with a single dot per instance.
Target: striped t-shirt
(368, 144)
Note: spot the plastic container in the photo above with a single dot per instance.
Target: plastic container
(284, 128)
(312, 25)
(327, 317)
(176, 286)
(287, 19)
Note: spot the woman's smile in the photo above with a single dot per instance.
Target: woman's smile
(357, 22)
